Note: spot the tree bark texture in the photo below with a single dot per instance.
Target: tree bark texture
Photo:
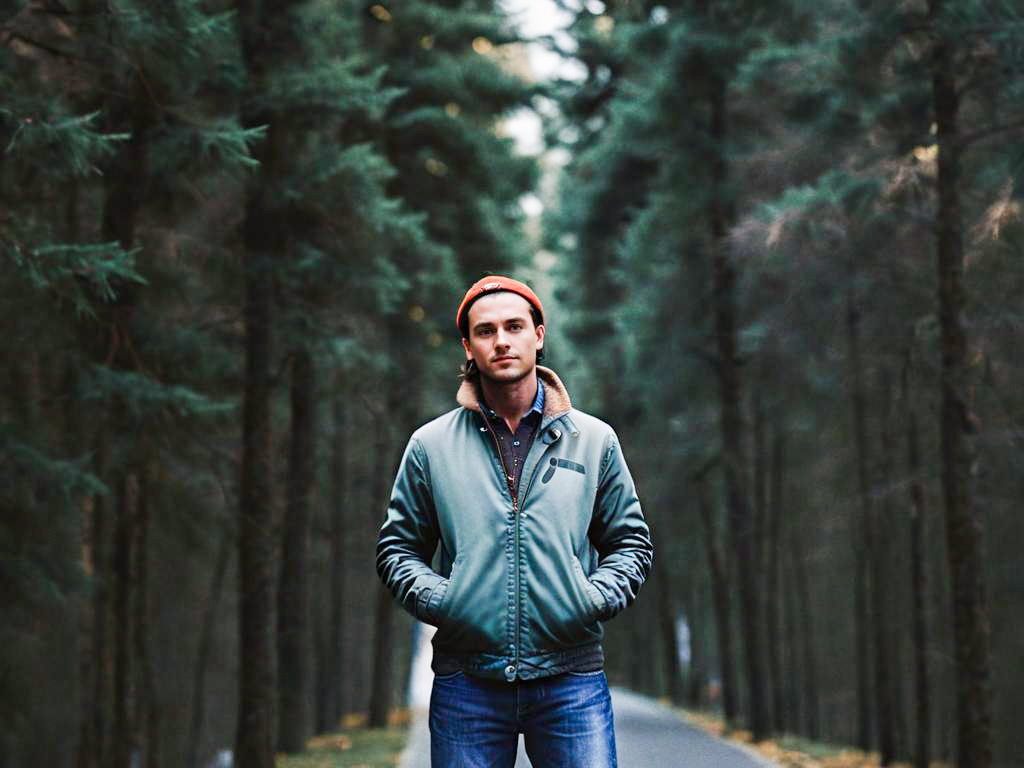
(971, 631)
(718, 566)
(667, 627)
(861, 522)
(741, 526)
(812, 707)
(147, 712)
(878, 553)
(698, 655)
(86, 755)
(267, 36)
(206, 627)
(919, 582)
(124, 663)
(294, 649)
(384, 614)
(773, 597)
(795, 672)
(320, 613)
(254, 741)
(102, 660)
(124, 183)
(337, 511)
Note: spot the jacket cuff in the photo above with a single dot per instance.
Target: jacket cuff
(428, 601)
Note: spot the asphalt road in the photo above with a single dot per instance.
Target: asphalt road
(647, 733)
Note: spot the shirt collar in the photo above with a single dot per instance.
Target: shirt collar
(537, 407)
(538, 401)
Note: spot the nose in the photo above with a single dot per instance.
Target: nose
(501, 339)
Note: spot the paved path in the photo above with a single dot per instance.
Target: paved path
(647, 733)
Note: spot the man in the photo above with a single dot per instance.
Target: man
(539, 537)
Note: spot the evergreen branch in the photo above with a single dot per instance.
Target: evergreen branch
(51, 266)
(73, 137)
(66, 474)
(144, 394)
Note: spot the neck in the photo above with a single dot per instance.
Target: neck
(510, 399)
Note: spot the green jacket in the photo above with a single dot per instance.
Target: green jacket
(521, 584)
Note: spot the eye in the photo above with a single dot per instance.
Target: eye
(515, 326)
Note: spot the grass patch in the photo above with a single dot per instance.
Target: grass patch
(816, 749)
(355, 747)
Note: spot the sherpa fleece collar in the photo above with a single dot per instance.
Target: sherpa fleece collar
(556, 399)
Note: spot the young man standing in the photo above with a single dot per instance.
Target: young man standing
(533, 517)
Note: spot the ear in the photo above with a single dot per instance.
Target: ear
(540, 336)
(465, 346)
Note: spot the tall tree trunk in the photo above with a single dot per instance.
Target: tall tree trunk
(102, 660)
(206, 627)
(741, 526)
(718, 564)
(86, 752)
(124, 663)
(254, 742)
(255, 723)
(337, 510)
(698, 664)
(773, 598)
(918, 580)
(384, 621)
(795, 672)
(971, 631)
(125, 181)
(895, 605)
(293, 626)
(860, 533)
(323, 722)
(147, 713)
(267, 36)
(878, 552)
(667, 627)
(812, 707)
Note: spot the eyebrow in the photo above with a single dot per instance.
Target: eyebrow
(489, 324)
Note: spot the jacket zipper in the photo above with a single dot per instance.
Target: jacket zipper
(515, 509)
(515, 517)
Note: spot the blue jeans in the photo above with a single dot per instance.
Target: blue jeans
(566, 721)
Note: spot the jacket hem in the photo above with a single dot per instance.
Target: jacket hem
(589, 657)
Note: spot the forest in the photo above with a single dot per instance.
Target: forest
(781, 248)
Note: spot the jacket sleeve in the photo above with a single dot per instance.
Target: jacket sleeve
(620, 534)
(409, 537)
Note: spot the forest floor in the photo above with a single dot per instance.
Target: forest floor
(793, 751)
(354, 746)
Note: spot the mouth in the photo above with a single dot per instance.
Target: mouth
(503, 358)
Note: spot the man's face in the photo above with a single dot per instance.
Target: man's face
(502, 337)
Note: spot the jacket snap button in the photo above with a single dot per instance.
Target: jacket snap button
(510, 672)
